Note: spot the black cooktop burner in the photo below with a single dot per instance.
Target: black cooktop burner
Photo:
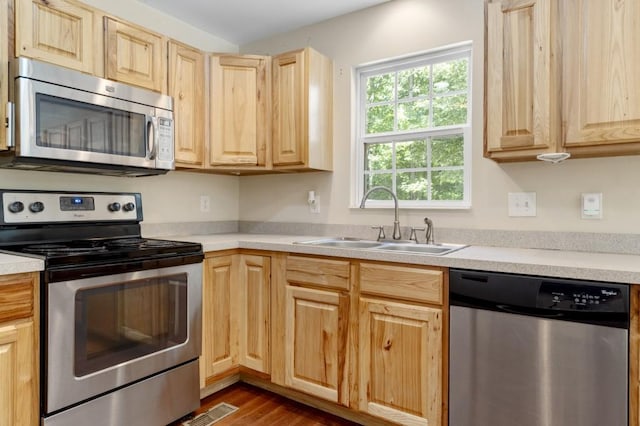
(73, 247)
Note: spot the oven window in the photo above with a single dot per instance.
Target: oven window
(78, 126)
(123, 321)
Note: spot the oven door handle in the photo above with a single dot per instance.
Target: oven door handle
(152, 137)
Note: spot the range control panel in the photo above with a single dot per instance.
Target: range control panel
(25, 207)
(568, 297)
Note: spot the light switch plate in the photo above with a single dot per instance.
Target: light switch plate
(592, 205)
(522, 204)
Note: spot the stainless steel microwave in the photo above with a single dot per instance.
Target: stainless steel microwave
(69, 121)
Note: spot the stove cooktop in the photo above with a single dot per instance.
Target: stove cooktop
(78, 252)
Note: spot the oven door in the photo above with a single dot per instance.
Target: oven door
(105, 332)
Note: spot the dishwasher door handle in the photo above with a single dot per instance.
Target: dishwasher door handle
(534, 312)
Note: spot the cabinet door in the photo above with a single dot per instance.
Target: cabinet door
(316, 343)
(219, 318)
(59, 32)
(401, 362)
(135, 56)
(18, 374)
(239, 110)
(186, 85)
(521, 80)
(254, 293)
(601, 88)
(289, 109)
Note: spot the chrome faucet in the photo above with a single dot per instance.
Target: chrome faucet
(429, 235)
(396, 222)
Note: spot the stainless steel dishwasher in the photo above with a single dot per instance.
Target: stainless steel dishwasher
(536, 351)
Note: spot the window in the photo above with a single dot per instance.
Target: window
(413, 132)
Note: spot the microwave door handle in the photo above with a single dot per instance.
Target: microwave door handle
(152, 137)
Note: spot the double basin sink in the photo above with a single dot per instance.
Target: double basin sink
(391, 245)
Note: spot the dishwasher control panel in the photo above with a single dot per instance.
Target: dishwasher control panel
(568, 297)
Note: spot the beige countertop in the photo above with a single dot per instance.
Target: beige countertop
(10, 264)
(623, 268)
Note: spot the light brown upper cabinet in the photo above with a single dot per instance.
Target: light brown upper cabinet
(239, 117)
(561, 77)
(61, 32)
(521, 94)
(186, 86)
(135, 55)
(5, 7)
(601, 88)
(302, 111)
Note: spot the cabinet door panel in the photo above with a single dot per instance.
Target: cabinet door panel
(239, 110)
(18, 380)
(255, 291)
(135, 56)
(58, 32)
(315, 336)
(219, 317)
(520, 86)
(601, 103)
(289, 109)
(186, 85)
(401, 362)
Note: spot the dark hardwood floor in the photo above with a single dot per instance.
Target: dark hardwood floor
(258, 407)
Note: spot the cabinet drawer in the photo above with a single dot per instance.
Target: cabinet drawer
(16, 297)
(421, 285)
(320, 272)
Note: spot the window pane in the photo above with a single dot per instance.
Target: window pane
(447, 185)
(378, 156)
(449, 110)
(380, 119)
(383, 179)
(447, 151)
(411, 154)
(413, 82)
(412, 186)
(450, 76)
(380, 88)
(413, 115)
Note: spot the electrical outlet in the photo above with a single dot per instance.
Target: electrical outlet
(522, 203)
(314, 207)
(205, 204)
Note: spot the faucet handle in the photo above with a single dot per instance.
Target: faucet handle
(380, 229)
(413, 235)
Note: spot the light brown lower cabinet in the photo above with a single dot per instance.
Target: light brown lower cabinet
(315, 336)
(235, 315)
(19, 350)
(634, 357)
(400, 361)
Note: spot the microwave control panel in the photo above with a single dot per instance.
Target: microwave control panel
(165, 139)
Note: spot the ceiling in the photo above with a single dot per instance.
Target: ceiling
(245, 21)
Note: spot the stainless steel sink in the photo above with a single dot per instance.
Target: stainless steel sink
(401, 246)
(431, 249)
(342, 242)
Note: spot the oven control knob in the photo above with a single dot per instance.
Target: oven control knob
(36, 207)
(16, 207)
(128, 207)
(114, 207)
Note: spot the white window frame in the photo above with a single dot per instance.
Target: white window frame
(451, 52)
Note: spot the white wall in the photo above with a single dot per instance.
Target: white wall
(401, 27)
(170, 198)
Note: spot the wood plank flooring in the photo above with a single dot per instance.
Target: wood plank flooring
(258, 407)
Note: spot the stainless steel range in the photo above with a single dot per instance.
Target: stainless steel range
(121, 314)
